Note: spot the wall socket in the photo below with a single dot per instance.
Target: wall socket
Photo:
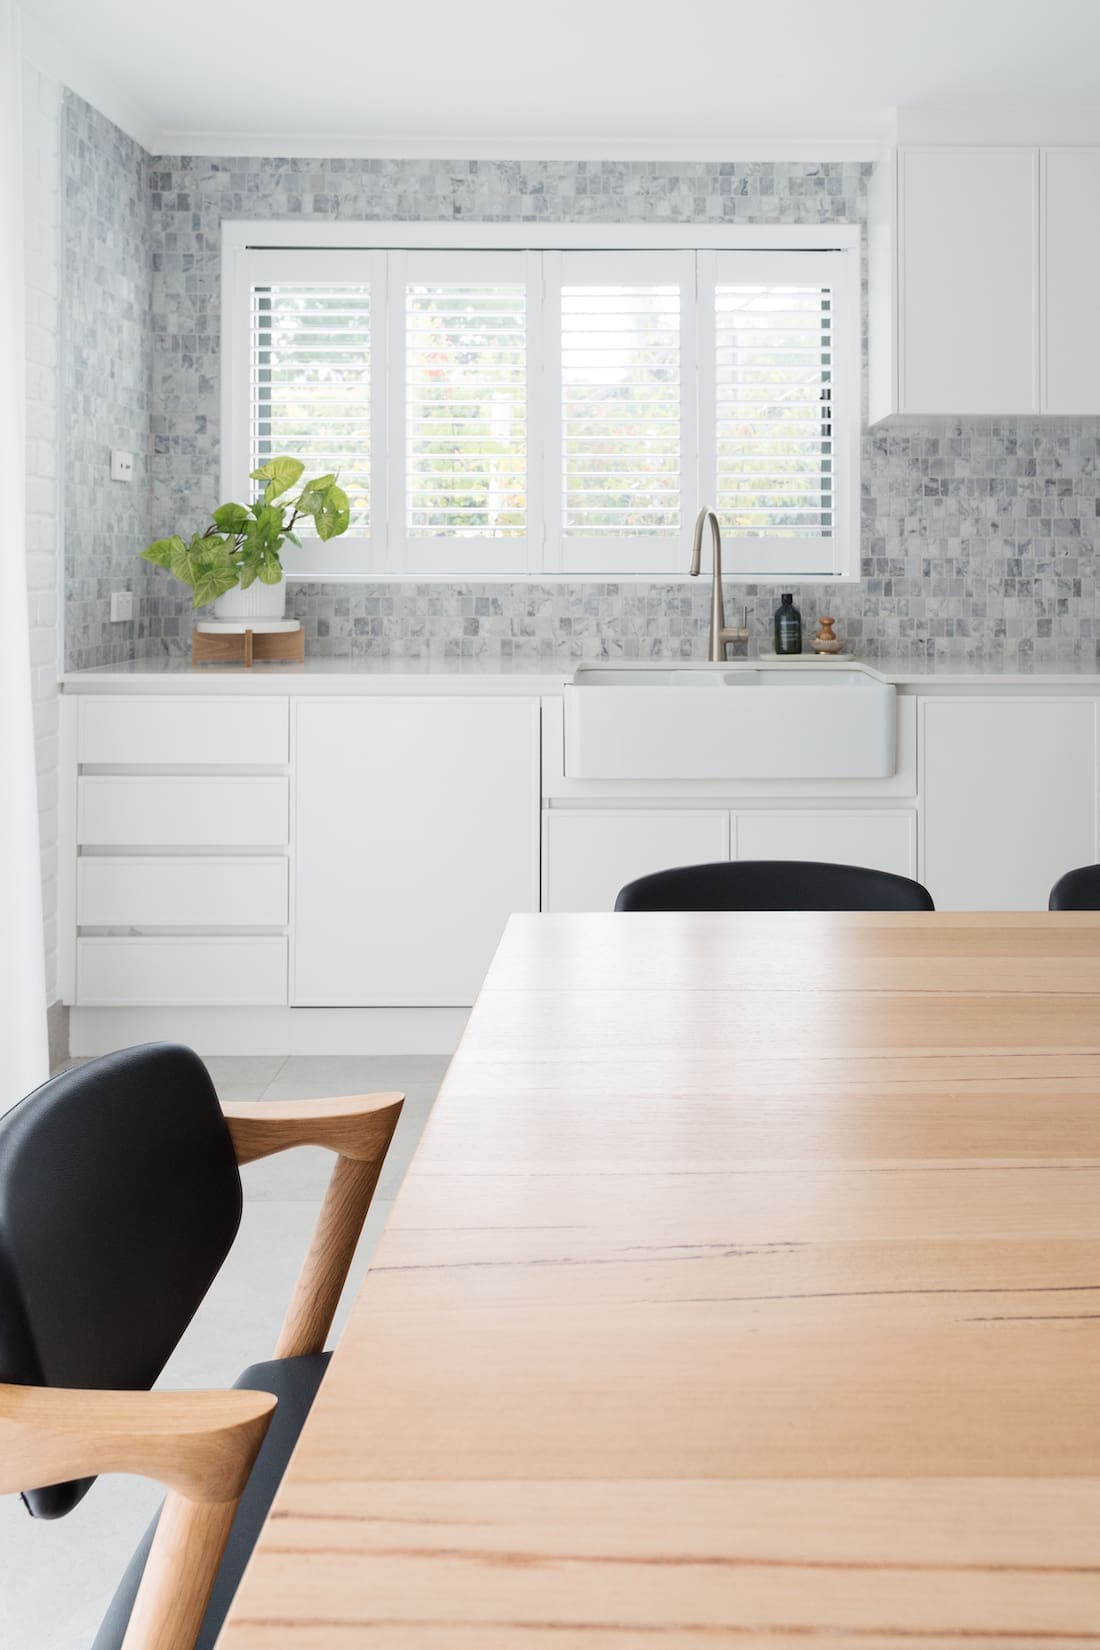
(122, 605)
(122, 465)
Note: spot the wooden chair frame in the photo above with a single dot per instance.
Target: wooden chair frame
(202, 1445)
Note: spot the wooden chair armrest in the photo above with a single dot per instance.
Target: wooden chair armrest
(358, 1126)
(201, 1444)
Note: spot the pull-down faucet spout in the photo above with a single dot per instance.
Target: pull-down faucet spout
(720, 632)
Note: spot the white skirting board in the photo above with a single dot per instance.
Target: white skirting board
(270, 1030)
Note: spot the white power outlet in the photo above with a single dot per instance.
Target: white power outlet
(122, 605)
(122, 465)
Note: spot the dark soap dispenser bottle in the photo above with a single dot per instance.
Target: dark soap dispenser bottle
(788, 626)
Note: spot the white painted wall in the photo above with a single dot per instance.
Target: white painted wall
(42, 206)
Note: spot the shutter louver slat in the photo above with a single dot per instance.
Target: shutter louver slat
(774, 410)
(466, 410)
(311, 384)
(621, 397)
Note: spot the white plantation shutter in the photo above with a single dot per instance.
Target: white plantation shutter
(465, 407)
(507, 411)
(311, 383)
(782, 407)
(625, 374)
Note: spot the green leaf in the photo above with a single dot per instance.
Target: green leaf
(231, 518)
(334, 515)
(313, 494)
(161, 551)
(280, 474)
(247, 574)
(271, 572)
(211, 584)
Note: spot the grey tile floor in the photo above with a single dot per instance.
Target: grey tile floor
(57, 1579)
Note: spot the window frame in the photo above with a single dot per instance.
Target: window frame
(256, 250)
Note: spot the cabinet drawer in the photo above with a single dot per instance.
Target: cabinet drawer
(181, 893)
(151, 729)
(185, 811)
(181, 973)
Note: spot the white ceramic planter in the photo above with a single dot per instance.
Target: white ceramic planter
(259, 601)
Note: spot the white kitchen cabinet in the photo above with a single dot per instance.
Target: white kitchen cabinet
(115, 891)
(1009, 798)
(174, 971)
(881, 839)
(416, 836)
(592, 852)
(1070, 257)
(968, 281)
(128, 729)
(182, 810)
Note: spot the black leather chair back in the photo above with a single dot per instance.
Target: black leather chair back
(773, 885)
(120, 1198)
(1077, 891)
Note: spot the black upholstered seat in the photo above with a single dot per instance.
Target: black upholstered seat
(294, 1382)
(773, 885)
(1078, 890)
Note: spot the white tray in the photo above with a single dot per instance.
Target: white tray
(237, 627)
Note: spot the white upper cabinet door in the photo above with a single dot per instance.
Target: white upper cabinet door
(416, 836)
(1071, 294)
(592, 852)
(1009, 799)
(968, 321)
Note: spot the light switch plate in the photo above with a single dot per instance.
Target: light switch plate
(122, 605)
(122, 465)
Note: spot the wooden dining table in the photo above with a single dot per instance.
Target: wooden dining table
(744, 1289)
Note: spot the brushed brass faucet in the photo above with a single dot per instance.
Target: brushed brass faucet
(720, 632)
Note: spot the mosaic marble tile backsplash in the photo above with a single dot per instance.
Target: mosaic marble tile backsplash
(106, 377)
(976, 537)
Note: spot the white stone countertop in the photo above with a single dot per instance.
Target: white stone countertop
(539, 676)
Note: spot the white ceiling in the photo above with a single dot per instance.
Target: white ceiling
(602, 77)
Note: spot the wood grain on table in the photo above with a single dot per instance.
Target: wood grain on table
(745, 1288)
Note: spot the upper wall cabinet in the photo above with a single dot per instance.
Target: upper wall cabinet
(1069, 260)
(982, 300)
(955, 310)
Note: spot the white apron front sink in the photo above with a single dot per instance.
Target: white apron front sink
(813, 720)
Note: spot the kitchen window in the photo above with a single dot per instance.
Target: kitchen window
(556, 411)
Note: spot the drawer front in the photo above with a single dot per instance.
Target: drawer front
(181, 811)
(150, 729)
(181, 973)
(182, 893)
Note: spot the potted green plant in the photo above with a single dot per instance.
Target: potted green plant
(235, 562)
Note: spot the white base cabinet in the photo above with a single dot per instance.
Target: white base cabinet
(1009, 798)
(416, 835)
(881, 839)
(591, 852)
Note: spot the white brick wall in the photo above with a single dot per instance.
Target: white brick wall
(41, 138)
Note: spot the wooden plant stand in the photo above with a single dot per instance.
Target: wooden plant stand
(240, 644)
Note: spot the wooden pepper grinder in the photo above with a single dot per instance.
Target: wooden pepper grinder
(825, 641)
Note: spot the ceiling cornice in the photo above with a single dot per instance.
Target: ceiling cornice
(368, 146)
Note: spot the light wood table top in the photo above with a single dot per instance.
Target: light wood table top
(745, 1289)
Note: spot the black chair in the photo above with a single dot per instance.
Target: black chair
(1077, 891)
(773, 885)
(120, 1197)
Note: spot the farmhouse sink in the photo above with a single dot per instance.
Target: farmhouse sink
(746, 721)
